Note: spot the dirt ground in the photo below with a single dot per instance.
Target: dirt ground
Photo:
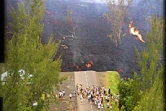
(101, 78)
(66, 104)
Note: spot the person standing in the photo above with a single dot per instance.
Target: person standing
(81, 98)
(60, 95)
(109, 91)
(63, 92)
(104, 90)
(89, 98)
(110, 106)
(98, 105)
(70, 96)
(102, 107)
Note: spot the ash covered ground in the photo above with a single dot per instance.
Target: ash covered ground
(91, 45)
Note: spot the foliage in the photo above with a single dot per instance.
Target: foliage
(152, 69)
(129, 92)
(25, 51)
(116, 14)
(153, 99)
(113, 80)
(150, 58)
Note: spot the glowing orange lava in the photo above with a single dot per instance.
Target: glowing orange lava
(88, 65)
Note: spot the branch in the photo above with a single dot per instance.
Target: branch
(64, 46)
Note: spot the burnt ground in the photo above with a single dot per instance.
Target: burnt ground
(92, 43)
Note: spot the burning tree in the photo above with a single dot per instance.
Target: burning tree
(116, 14)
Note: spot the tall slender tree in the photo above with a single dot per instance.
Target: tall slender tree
(40, 72)
(150, 59)
(152, 69)
(153, 99)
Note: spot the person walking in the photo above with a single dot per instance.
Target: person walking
(110, 106)
(102, 107)
(89, 98)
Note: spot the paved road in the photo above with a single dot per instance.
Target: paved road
(86, 78)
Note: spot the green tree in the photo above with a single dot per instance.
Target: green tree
(149, 59)
(124, 88)
(129, 93)
(152, 69)
(153, 99)
(117, 11)
(25, 51)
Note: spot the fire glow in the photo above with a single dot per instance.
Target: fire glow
(88, 65)
(135, 32)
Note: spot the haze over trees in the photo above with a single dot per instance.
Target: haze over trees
(25, 52)
(117, 11)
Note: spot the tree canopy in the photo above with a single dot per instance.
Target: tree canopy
(152, 69)
(40, 72)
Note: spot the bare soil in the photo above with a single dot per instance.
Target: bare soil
(66, 104)
(102, 78)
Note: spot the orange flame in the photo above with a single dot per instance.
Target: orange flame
(89, 64)
(135, 32)
(77, 67)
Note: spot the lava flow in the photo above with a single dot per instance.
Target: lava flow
(135, 32)
(88, 65)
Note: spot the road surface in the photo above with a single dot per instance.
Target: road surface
(86, 78)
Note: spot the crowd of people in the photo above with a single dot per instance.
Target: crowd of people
(96, 95)
(61, 94)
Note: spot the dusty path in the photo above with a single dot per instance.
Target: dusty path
(86, 78)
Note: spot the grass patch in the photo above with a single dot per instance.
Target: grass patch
(113, 79)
